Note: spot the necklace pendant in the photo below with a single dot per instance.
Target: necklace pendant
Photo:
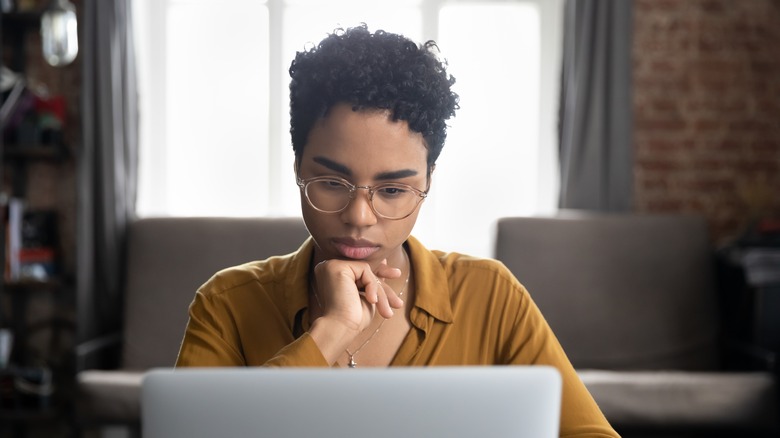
(352, 363)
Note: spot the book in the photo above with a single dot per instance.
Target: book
(31, 242)
(14, 238)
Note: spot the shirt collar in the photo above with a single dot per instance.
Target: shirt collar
(432, 288)
(296, 283)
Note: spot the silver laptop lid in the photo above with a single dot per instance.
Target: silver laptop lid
(451, 402)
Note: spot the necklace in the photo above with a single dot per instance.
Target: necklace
(351, 355)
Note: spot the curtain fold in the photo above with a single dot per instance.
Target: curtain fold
(596, 123)
(107, 168)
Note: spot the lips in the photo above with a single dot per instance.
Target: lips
(356, 249)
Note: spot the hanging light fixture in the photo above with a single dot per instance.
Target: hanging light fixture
(59, 34)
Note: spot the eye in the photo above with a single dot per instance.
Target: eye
(389, 192)
(333, 185)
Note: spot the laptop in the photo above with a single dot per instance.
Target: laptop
(451, 402)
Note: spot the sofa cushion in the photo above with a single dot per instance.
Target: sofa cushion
(684, 400)
(620, 291)
(169, 258)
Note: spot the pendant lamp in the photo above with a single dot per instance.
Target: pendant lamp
(59, 34)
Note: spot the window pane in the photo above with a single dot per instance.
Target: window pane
(354, 4)
(488, 166)
(210, 145)
(216, 113)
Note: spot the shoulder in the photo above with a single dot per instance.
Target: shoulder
(284, 273)
(488, 271)
(457, 263)
(474, 289)
(465, 278)
(262, 274)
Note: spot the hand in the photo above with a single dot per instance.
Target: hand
(350, 293)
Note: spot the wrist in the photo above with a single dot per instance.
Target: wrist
(332, 337)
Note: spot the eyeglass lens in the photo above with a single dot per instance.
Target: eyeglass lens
(389, 200)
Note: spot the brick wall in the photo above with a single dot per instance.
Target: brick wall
(707, 110)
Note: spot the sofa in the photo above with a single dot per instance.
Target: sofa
(629, 296)
(167, 260)
(633, 300)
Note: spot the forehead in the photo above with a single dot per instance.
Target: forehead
(358, 137)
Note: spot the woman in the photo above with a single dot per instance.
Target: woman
(368, 114)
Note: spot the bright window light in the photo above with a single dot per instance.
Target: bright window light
(214, 105)
(488, 166)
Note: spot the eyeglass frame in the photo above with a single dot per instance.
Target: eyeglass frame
(303, 183)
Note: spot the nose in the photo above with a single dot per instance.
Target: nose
(359, 212)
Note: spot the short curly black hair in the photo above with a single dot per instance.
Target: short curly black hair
(379, 70)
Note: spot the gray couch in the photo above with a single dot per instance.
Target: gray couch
(167, 260)
(632, 300)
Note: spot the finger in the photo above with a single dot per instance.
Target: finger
(382, 305)
(393, 300)
(386, 272)
(371, 291)
(376, 290)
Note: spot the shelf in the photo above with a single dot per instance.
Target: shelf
(28, 285)
(22, 18)
(28, 414)
(34, 152)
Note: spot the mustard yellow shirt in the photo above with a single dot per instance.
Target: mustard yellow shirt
(467, 311)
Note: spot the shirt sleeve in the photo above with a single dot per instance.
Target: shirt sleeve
(532, 341)
(211, 339)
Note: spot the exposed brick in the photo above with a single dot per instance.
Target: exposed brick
(758, 166)
(707, 125)
(750, 125)
(660, 124)
(661, 145)
(769, 145)
(654, 184)
(665, 104)
(659, 164)
(707, 108)
(665, 205)
(709, 185)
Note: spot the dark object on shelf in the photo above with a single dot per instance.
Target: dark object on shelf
(38, 255)
(25, 388)
(749, 275)
(39, 229)
(32, 119)
(31, 246)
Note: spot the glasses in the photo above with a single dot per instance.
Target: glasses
(330, 194)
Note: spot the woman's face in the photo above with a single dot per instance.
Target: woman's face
(365, 148)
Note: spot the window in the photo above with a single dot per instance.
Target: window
(214, 106)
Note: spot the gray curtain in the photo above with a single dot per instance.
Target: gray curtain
(595, 126)
(107, 162)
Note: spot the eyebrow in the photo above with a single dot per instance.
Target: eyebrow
(344, 170)
(332, 165)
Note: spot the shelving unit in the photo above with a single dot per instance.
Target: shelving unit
(20, 414)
